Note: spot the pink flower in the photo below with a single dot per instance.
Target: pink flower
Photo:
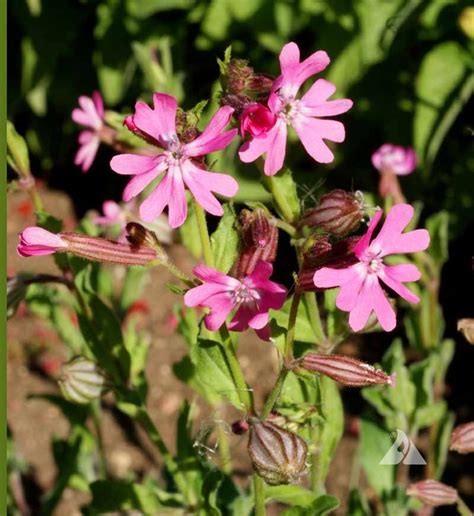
(35, 241)
(361, 292)
(306, 115)
(176, 163)
(90, 115)
(256, 119)
(252, 296)
(401, 161)
(114, 215)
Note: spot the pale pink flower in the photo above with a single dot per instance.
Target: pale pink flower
(306, 115)
(396, 159)
(177, 163)
(361, 292)
(252, 296)
(36, 241)
(113, 215)
(90, 115)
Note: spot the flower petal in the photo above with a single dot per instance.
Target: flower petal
(315, 100)
(131, 164)
(396, 285)
(152, 207)
(138, 183)
(160, 121)
(221, 306)
(197, 296)
(276, 149)
(208, 274)
(327, 277)
(213, 139)
(312, 131)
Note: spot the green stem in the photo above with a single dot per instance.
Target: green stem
(204, 234)
(290, 334)
(259, 496)
(243, 390)
(278, 197)
(100, 441)
(147, 424)
(275, 394)
(35, 197)
(312, 310)
(224, 450)
(285, 226)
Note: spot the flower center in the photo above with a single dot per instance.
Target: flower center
(244, 294)
(290, 108)
(173, 147)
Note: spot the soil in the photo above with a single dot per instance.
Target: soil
(35, 351)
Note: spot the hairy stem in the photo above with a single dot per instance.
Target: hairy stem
(259, 495)
(275, 393)
(204, 234)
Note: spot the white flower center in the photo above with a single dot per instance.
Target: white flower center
(245, 294)
(289, 107)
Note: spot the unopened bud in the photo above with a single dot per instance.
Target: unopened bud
(345, 370)
(433, 493)
(240, 427)
(82, 381)
(259, 240)
(462, 438)
(109, 251)
(466, 21)
(319, 252)
(256, 119)
(260, 83)
(278, 456)
(466, 327)
(238, 102)
(338, 213)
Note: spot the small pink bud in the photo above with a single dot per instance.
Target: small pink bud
(338, 213)
(433, 493)
(259, 240)
(256, 119)
(278, 456)
(36, 241)
(462, 438)
(345, 370)
(239, 427)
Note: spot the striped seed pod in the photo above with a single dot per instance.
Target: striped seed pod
(82, 381)
(345, 370)
(433, 493)
(278, 456)
(462, 438)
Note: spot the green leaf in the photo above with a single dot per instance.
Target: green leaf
(374, 444)
(133, 285)
(290, 494)
(285, 196)
(440, 96)
(358, 504)
(324, 504)
(210, 486)
(190, 236)
(225, 241)
(121, 495)
(17, 151)
(441, 445)
(438, 227)
(145, 8)
(429, 414)
(332, 430)
(212, 370)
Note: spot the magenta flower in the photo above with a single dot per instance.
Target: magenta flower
(401, 161)
(307, 115)
(252, 296)
(35, 241)
(256, 119)
(177, 163)
(90, 115)
(361, 292)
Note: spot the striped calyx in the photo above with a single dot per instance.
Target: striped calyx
(82, 381)
(109, 251)
(462, 438)
(345, 370)
(278, 456)
(433, 493)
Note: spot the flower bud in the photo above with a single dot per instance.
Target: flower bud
(345, 370)
(256, 119)
(81, 381)
(109, 251)
(433, 493)
(278, 456)
(260, 83)
(338, 213)
(318, 252)
(137, 235)
(462, 438)
(236, 101)
(239, 427)
(259, 240)
(466, 21)
(466, 326)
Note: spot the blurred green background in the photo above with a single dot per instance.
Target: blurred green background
(407, 64)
